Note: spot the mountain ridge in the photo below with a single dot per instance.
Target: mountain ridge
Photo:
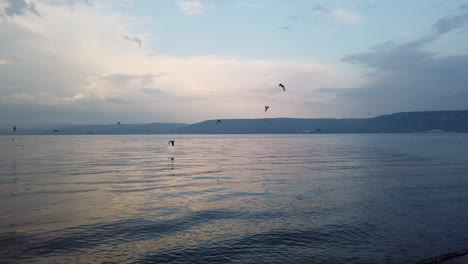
(402, 122)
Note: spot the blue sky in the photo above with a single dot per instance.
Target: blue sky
(291, 30)
(85, 61)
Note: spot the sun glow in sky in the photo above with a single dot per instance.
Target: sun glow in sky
(89, 61)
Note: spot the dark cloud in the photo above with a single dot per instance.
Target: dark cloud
(286, 28)
(19, 8)
(447, 24)
(133, 39)
(294, 18)
(321, 10)
(405, 77)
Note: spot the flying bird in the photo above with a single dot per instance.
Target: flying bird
(171, 142)
(14, 129)
(56, 131)
(118, 123)
(318, 129)
(266, 107)
(282, 86)
(218, 121)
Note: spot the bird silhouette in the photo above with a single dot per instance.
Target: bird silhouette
(14, 129)
(266, 107)
(318, 129)
(282, 86)
(56, 131)
(118, 123)
(171, 142)
(218, 121)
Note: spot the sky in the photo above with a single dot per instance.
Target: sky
(141, 61)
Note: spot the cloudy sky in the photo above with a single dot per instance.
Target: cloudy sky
(90, 61)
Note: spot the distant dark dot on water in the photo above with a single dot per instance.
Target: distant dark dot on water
(27, 189)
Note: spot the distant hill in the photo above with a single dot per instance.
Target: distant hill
(408, 122)
(112, 129)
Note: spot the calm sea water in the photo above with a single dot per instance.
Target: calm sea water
(233, 198)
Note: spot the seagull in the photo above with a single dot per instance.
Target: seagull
(118, 123)
(282, 86)
(266, 107)
(218, 121)
(56, 131)
(171, 142)
(318, 129)
(14, 129)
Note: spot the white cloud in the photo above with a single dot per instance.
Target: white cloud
(346, 16)
(339, 14)
(191, 7)
(76, 58)
(3, 62)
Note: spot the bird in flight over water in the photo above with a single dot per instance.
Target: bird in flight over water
(318, 129)
(56, 131)
(218, 121)
(118, 123)
(282, 86)
(171, 142)
(266, 107)
(14, 129)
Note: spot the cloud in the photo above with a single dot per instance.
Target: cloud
(73, 60)
(320, 10)
(286, 28)
(191, 7)
(406, 77)
(68, 2)
(447, 24)
(134, 39)
(18, 8)
(346, 16)
(339, 14)
(294, 18)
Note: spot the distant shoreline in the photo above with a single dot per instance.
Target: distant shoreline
(407, 122)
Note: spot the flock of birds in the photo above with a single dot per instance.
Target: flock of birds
(219, 120)
(14, 128)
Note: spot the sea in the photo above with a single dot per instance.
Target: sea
(292, 198)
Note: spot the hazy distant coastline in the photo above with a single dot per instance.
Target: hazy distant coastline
(407, 122)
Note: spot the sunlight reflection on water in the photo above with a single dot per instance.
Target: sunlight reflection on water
(233, 198)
